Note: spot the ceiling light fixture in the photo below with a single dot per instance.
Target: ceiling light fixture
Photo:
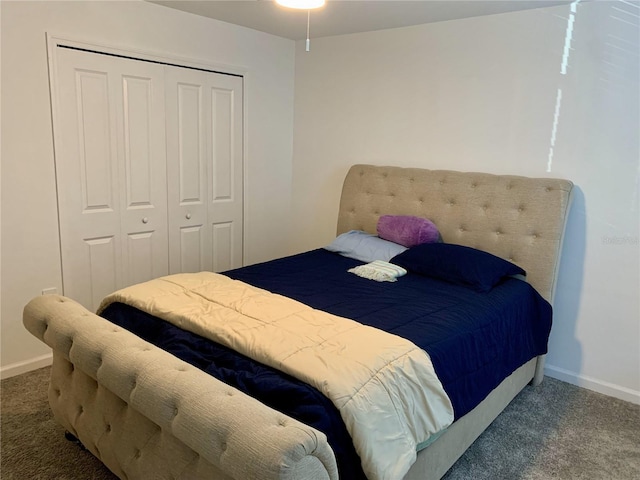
(303, 5)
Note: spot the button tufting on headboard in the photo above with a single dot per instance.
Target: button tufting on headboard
(496, 213)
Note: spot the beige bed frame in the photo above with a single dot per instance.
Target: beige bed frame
(147, 415)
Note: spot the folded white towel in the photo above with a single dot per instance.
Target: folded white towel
(379, 271)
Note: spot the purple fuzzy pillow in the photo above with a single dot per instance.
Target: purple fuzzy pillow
(407, 230)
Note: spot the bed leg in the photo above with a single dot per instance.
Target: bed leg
(72, 438)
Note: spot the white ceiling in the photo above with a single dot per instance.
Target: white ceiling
(340, 17)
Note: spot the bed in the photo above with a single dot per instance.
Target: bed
(147, 414)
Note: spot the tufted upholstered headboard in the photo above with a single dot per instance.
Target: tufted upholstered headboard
(517, 218)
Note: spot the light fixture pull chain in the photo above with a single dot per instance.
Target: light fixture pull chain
(308, 21)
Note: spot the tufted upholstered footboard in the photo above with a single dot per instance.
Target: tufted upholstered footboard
(145, 414)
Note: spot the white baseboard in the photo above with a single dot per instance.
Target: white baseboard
(596, 385)
(26, 366)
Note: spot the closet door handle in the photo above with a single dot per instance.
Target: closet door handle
(188, 216)
(145, 220)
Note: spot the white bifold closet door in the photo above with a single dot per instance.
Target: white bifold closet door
(148, 169)
(111, 173)
(204, 148)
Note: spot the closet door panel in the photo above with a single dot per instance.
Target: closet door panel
(226, 180)
(144, 180)
(191, 245)
(223, 146)
(138, 151)
(95, 140)
(191, 144)
(87, 176)
(204, 165)
(101, 255)
(223, 248)
(110, 172)
(140, 248)
(187, 129)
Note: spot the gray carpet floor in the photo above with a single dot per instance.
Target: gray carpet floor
(554, 431)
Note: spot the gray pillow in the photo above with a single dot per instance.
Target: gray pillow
(364, 246)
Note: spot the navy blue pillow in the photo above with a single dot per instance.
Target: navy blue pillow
(457, 264)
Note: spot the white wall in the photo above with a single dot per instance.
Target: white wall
(30, 250)
(481, 94)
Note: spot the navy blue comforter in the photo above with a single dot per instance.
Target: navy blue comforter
(474, 339)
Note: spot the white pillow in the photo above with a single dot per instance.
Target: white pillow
(364, 246)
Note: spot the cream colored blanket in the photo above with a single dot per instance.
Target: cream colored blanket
(384, 386)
